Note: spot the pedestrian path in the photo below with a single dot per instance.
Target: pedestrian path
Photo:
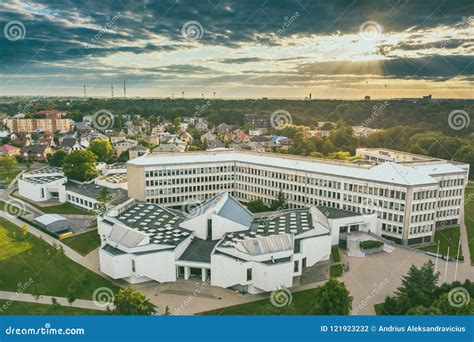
(78, 303)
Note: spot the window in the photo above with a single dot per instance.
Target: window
(209, 228)
(249, 274)
(133, 265)
(296, 267)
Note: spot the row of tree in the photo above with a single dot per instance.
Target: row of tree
(389, 113)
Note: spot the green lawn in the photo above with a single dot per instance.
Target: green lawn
(24, 257)
(13, 174)
(23, 212)
(301, 304)
(469, 217)
(64, 208)
(34, 309)
(448, 237)
(83, 243)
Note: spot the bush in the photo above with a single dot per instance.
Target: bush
(370, 244)
(335, 271)
(335, 256)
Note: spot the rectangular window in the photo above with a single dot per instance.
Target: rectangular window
(249, 274)
(133, 265)
(296, 268)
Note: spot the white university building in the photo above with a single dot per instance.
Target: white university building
(399, 196)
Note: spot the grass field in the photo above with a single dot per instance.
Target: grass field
(64, 208)
(13, 174)
(448, 237)
(302, 303)
(469, 217)
(19, 211)
(25, 257)
(83, 243)
(27, 308)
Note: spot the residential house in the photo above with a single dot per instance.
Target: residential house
(36, 152)
(213, 144)
(229, 137)
(186, 137)
(208, 136)
(9, 151)
(123, 145)
(137, 151)
(167, 148)
(223, 128)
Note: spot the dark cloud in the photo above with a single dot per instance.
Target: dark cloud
(67, 37)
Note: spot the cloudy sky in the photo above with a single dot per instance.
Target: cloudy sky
(238, 49)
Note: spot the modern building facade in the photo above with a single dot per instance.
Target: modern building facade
(410, 200)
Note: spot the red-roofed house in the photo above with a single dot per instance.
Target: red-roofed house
(9, 151)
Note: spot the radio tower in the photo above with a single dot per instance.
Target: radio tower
(124, 90)
(112, 89)
(84, 91)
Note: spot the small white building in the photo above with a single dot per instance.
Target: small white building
(219, 240)
(42, 184)
(53, 222)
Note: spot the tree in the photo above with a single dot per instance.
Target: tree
(57, 158)
(257, 206)
(333, 298)
(80, 165)
(71, 296)
(132, 302)
(55, 303)
(102, 148)
(104, 197)
(35, 293)
(7, 164)
(280, 202)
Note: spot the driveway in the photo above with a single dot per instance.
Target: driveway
(374, 277)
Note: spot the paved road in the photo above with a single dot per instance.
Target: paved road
(78, 303)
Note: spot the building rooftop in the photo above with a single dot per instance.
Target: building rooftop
(160, 224)
(92, 190)
(388, 172)
(116, 178)
(42, 179)
(117, 166)
(199, 250)
(288, 221)
(49, 218)
(45, 170)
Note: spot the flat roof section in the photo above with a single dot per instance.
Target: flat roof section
(388, 172)
(43, 179)
(160, 224)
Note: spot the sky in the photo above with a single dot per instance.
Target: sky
(238, 49)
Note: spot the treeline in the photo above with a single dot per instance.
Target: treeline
(377, 114)
(341, 143)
